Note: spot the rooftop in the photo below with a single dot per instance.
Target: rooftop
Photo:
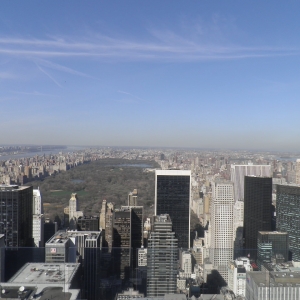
(41, 273)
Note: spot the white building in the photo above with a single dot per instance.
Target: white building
(237, 275)
(186, 264)
(38, 219)
(222, 226)
(298, 171)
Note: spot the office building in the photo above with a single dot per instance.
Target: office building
(272, 246)
(266, 285)
(172, 197)
(221, 242)
(38, 219)
(136, 230)
(122, 243)
(49, 229)
(288, 216)
(237, 275)
(92, 255)
(103, 214)
(16, 216)
(109, 227)
(238, 173)
(74, 212)
(88, 223)
(185, 264)
(257, 210)
(162, 255)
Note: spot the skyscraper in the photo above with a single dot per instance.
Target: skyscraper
(257, 210)
(172, 196)
(222, 226)
(38, 219)
(238, 173)
(298, 171)
(288, 216)
(162, 255)
(16, 216)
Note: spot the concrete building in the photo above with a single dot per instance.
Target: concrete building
(173, 197)
(222, 226)
(44, 281)
(103, 214)
(162, 258)
(38, 219)
(186, 264)
(288, 216)
(88, 223)
(272, 285)
(132, 198)
(74, 212)
(65, 246)
(16, 216)
(142, 257)
(237, 275)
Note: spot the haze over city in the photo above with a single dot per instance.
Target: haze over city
(208, 74)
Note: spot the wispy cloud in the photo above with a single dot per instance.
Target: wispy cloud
(34, 93)
(7, 75)
(160, 45)
(49, 76)
(134, 99)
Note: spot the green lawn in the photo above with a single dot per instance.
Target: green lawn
(61, 194)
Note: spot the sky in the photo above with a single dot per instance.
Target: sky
(200, 74)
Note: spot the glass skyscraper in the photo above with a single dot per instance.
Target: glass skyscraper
(288, 216)
(257, 210)
(172, 197)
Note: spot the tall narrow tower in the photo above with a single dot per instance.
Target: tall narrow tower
(222, 226)
(172, 197)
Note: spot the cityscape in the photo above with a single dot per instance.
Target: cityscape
(149, 150)
(243, 244)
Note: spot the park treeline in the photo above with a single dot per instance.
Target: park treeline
(110, 179)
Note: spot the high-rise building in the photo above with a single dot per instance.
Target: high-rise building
(172, 196)
(109, 227)
(38, 219)
(288, 216)
(122, 243)
(16, 216)
(74, 212)
(222, 226)
(162, 255)
(103, 214)
(238, 173)
(272, 245)
(136, 231)
(257, 210)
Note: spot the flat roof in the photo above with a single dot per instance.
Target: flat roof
(173, 172)
(61, 237)
(45, 273)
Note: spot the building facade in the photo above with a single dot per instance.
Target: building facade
(172, 196)
(162, 255)
(222, 226)
(257, 210)
(288, 216)
(16, 217)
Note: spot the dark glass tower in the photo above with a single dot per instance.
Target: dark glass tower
(172, 197)
(288, 216)
(16, 215)
(257, 210)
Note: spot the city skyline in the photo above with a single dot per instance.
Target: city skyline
(196, 75)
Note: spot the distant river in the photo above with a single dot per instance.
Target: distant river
(32, 154)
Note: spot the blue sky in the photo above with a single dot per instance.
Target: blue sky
(207, 74)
